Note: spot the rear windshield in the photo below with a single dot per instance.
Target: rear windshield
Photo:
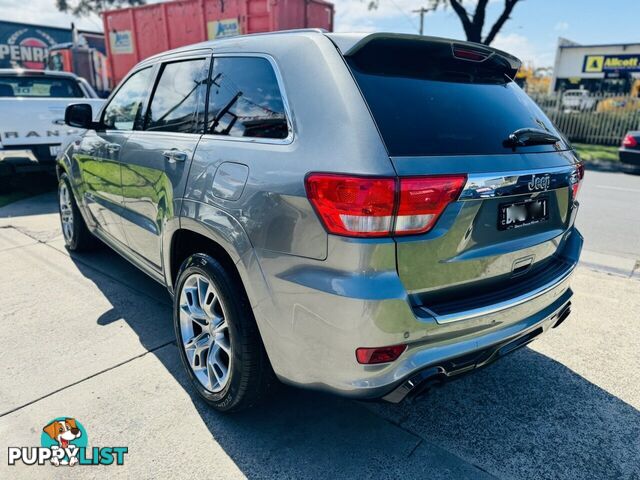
(35, 86)
(426, 104)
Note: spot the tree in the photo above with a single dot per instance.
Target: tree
(86, 7)
(472, 23)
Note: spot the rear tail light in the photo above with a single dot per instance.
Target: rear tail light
(370, 356)
(376, 207)
(577, 179)
(629, 141)
(423, 199)
(353, 206)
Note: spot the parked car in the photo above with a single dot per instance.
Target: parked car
(629, 152)
(358, 213)
(578, 100)
(32, 106)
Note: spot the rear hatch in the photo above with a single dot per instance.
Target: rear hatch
(447, 108)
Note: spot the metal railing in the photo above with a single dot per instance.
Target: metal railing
(601, 119)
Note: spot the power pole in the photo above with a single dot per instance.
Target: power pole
(422, 11)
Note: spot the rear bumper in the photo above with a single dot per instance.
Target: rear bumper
(629, 159)
(452, 368)
(326, 322)
(478, 339)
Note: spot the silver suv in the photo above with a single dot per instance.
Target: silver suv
(359, 213)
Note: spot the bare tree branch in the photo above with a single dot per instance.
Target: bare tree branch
(481, 9)
(502, 19)
(462, 14)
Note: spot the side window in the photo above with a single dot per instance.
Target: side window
(174, 104)
(125, 108)
(245, 100)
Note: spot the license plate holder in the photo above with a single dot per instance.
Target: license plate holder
(521, 214)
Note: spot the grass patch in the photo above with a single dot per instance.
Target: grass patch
(591, 153)
(25, 187)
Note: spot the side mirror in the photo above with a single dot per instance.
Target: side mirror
(79, 115)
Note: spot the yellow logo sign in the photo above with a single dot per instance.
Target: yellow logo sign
(594, 63)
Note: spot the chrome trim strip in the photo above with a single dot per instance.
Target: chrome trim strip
(504, 305)
(491, 185)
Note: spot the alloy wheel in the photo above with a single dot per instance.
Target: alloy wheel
(66, 212)
(205, 332)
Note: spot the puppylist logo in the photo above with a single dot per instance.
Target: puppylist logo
(64, 442)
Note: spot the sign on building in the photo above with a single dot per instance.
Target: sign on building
(23, 45)
(611, 63)
(27, 46)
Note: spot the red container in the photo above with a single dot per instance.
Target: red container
(136, 33)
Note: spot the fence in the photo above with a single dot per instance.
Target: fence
(601, 119)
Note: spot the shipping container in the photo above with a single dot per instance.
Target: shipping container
(138, 32)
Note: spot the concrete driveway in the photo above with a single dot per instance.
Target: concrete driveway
(90, 337)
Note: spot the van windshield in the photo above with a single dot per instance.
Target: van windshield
(430, 105)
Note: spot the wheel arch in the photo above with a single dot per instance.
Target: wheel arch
(226, 241)
(186, 242)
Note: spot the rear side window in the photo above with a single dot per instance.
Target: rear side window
(175, 101)
(426, 102)
(245, 100)
(39, 86)
(125, 108)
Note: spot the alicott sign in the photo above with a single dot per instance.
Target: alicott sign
(611, 63)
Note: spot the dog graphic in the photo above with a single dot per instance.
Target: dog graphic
(63, 432)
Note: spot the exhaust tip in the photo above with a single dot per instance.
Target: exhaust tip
(562, 316)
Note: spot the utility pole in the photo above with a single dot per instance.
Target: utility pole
(422, 11)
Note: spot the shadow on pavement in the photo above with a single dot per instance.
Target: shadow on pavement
(527, 416)
(24, 204)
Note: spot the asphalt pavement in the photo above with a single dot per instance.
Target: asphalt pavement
(88, 336)
(609, 219)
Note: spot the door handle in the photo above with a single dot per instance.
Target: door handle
(174, 155)
(113, 147)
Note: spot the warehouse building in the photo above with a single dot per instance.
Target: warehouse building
(610, 68)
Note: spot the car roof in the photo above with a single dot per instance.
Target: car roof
(247, 39)
(27, 71)
(345, 42)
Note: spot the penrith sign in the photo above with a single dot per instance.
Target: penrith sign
(23, 45)
(27, 46)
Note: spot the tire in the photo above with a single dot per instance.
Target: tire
(77, 236)
(216, 332)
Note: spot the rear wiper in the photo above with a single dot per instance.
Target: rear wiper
(525, 137)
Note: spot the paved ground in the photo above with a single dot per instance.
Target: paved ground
(89, 336)
(609, 216)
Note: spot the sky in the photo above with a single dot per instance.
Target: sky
(531, 34)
